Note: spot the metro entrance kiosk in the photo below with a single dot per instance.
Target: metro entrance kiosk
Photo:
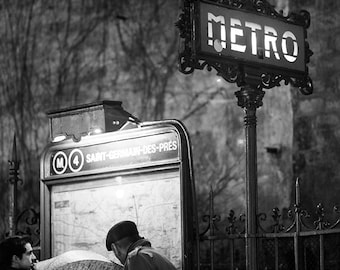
(132, 171)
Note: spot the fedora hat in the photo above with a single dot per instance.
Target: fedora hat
(119, 231)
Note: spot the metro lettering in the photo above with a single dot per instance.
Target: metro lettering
(273, 43)
(270, 37)
(219, 46)
(253, 27)
(234, 32)
(290, 58)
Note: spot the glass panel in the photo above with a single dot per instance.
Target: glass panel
(82, 213)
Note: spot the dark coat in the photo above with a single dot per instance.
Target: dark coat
(141, 256)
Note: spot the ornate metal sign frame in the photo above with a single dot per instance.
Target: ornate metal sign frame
(235, 71)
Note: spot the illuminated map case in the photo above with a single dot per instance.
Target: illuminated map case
(142, 174)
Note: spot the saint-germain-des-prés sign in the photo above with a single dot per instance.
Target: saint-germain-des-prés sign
(247, 42)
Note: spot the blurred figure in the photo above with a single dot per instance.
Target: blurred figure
(133, 251)
(16, 253)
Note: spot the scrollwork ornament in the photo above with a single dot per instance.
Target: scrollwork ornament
(303, 217)
(242, 219)
(231, 73)
(299, 217)
(277, 227)
(269, 80)
(305, 85)
(28, 223)
(236, 3)
(14, 172)
(249, 98)
(321, 223)
(261, 217)
(183, 25)
(212, 227)
(337, 222)
(303, 18)
(206, 219)
(231, 3)
(186, 64)
(265, 8)
(231, 228)
(185, 59)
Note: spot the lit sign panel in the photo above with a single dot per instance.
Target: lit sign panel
(111, 155)
(249, 38)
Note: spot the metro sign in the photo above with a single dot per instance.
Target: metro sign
(247, 42)
(250, 38)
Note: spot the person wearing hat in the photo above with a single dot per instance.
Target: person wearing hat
(16, 253)
(133, 251)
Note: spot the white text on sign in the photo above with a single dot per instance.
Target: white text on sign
(268, 34)
(132, 151)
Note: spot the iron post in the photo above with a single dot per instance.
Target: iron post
(250, 98)
(298, 245)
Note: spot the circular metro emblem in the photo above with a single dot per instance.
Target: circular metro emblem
(59, 162)
(76, 160)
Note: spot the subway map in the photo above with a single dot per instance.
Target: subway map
(82, 213)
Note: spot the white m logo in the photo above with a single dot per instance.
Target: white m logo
(60, 163)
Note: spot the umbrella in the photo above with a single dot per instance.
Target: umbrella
(90, 265)
(76, 260)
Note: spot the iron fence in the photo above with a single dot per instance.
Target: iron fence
(293, 242)
(27, 221)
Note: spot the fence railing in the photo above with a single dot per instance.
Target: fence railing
(27, 221)
(290, 242)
